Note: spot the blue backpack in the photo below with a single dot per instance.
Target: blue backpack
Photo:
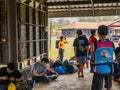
(103, 57)
(61, 70)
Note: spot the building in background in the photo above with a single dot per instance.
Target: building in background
(70, 30)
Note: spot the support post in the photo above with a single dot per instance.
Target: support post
(12, 35)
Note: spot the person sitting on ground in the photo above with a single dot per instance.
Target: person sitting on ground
(40, 72)
(50, 71)
(9, 74)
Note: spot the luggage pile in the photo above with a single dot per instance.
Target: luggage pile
(68, 66)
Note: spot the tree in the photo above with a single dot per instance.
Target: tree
(98, 19)
(57, 24)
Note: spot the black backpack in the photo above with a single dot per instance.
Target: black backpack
(57, 63)
(69, 68)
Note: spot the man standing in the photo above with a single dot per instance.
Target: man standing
(92, 39)
(81, 51)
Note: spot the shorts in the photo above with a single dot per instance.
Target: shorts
(81, 60)
(97, 83)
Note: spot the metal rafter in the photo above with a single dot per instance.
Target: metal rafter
(84, 13)
(93, 9)
(79, 2)
(73, 8)
(69, 9)
(117, 8)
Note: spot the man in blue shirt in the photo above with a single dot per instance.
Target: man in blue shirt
(81, 51)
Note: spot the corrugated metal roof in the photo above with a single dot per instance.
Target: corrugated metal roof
(75, 8)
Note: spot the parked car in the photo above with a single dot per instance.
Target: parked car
(115, 38)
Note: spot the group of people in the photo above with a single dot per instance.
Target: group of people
(101, 52)
(41, 72)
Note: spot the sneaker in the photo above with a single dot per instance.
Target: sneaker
(54, 78)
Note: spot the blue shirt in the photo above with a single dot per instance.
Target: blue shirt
(83, 41)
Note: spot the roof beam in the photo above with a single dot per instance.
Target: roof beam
(83, 13)
(93, 9)
(116, 8)
(79, 2)
(69, 9)
(67, 3)
(81, 7)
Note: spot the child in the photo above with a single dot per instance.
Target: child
(102, 54)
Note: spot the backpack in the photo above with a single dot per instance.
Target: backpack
(70, 66)
(60, 70)
(57, 42)
(57, 63)
(21, 85)
(80, 47)
(103, 57)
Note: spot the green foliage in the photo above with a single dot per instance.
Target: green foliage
(56, 25)
(98, 19)
(59, 23)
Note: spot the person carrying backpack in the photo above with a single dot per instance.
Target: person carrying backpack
(102, 53)
(81, 51)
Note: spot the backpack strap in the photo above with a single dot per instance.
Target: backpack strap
(110, 64)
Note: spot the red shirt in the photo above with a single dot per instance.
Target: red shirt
(92, 39)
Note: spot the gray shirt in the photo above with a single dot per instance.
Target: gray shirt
(40, 69)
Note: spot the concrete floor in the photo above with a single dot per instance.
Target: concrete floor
(71, 82)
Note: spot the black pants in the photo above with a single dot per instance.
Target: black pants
(61, 54)
(97, 82)
(92, 65)
(41, 79)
